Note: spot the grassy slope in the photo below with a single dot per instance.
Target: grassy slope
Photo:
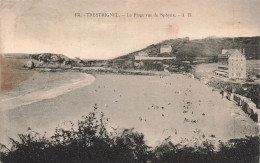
(204, 47)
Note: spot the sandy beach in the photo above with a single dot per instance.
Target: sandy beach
(174, 107)
(37, 95)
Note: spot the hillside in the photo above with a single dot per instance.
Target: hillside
(154, 49)
(184, 48)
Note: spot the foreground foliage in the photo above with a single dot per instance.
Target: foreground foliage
(89, 141)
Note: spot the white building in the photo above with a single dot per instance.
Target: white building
(166, 49)
(232, 64)
(143, 54)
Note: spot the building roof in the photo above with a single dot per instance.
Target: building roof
(165, 46)
(228, 53)
(231, 51)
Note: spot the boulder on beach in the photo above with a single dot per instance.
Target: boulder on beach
(30, 64)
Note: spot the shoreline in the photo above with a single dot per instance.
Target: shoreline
(39, 95)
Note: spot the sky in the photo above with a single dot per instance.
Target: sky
(41, 26)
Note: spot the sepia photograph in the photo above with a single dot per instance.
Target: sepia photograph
(130, 81)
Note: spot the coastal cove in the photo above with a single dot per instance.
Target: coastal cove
(157, 105)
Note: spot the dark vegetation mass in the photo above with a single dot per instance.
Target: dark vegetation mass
(149, 65)
(89, 141)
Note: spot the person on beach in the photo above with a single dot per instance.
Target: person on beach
(222, 93)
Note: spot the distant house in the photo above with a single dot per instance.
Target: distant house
(231, 64)
(67, 62)
(166, 49)
(54, 58)
(154, 58)
(77, 60)
(143, 54)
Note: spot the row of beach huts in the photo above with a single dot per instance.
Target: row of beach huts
(245, 103)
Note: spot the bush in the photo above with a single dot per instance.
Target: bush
(89, 141)
(234, 151)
